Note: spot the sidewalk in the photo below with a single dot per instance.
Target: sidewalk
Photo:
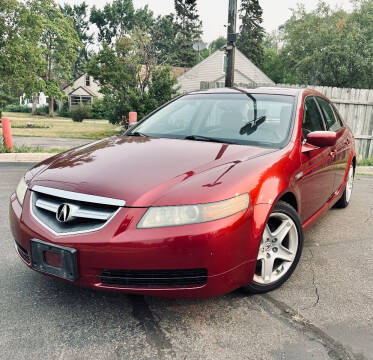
(49, 143)
(24, 157)
(364, 170)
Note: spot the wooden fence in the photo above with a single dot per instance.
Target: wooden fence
(355, 106)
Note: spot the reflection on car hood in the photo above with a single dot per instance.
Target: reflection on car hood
(140, 170)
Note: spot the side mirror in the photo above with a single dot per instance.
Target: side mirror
(322, 138)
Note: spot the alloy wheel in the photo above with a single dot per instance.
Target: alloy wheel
(278, 249)
(350, 184)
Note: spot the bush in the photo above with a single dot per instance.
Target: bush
(64, 111)
(80, 112)
(98, 109)
(18, 108)
(43, 110)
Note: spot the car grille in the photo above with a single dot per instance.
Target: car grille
(83, 213)
(23, 252)
(154, 278)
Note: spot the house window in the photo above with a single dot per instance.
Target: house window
(80, 99)
(87, 80)
(225, 64)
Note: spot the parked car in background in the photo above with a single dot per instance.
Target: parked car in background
(210, 193)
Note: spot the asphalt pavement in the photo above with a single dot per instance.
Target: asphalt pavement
(325, 311)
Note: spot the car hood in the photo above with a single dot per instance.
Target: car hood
(142, 170)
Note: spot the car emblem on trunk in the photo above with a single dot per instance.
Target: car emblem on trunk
(63, 213)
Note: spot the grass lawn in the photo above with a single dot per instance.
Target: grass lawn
(366, 162)
(57, 127)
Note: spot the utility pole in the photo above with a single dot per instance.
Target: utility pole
(231, 45)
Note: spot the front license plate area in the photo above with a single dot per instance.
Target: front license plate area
(56, 260)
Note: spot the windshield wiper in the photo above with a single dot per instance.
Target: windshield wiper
(251, 126)
(206, 138)
(138, 134)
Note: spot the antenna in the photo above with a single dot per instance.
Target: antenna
(199, 46)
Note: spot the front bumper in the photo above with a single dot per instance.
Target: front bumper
(226, 248)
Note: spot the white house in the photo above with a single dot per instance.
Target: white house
(83, 91)
(213, 68)
(26, 101)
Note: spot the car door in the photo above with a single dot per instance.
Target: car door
(316, 178)
(341, 149)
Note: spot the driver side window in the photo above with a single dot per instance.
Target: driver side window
(312, 120)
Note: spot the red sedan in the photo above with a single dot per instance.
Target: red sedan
(210, 193)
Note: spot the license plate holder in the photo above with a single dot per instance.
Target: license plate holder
(69, 260)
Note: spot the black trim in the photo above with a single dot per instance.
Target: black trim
(154, 278)
(69, 260)
(23, 252)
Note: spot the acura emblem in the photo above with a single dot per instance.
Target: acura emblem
(63, 213)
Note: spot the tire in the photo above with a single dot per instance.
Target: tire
(344, 201)
(280, 250)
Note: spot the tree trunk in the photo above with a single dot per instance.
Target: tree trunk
(51, 106)
(35, 98)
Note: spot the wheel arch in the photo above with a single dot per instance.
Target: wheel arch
(290, 199)
(264, 210)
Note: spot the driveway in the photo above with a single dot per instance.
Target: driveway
(325, 311)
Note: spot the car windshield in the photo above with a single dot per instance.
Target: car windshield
(247, 119)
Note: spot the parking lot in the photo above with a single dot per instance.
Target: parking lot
(325, 311)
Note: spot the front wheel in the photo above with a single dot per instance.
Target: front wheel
(280, 250)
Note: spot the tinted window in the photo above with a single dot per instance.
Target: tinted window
(336, 113)
(330, 119)
(252, 119)
(312, 120)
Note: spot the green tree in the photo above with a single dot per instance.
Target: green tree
(114, 20)
(274, 61)
(329, 47)
(115, 71)
(217, 44)
(250, 40)
(21, 59)
(130, 78)
(188, 31)
(8, 25)
(144, 18)
(119, 18)
(79, 15)
(59, 44)
(163, 34)
(214, 46)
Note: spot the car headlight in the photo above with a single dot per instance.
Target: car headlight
(193, 214)
(21, 190)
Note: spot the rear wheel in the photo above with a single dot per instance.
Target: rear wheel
(280, 250)
(344, 201)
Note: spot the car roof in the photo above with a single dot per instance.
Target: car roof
(259, 90)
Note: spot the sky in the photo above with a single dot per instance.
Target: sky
(214, 13)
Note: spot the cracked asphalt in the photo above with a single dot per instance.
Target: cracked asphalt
(325, 311)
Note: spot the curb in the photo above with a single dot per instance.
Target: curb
(25, 157)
